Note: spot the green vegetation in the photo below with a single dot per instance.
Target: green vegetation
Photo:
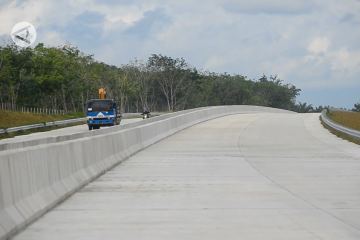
(65, 78)
(339, 134)
(10, 119)
(356, 107)
(305, 108)
(348, 119)
(14, 119)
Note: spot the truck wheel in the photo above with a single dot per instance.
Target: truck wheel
(90, 128)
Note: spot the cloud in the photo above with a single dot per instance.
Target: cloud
(340, 60)
(319, 45)
(153, 22)
(312, 44)
(347, 18)
(343, 60)
(116, 2)
(269, 7)
(11, 3)
(214, 62)
(85, 29)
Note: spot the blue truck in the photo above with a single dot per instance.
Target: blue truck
(102, 112)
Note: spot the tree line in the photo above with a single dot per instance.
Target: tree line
(65, 78)
(308, 108)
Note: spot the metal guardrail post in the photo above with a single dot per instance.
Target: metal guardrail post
(354, 134)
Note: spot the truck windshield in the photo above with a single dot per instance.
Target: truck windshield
(98, 106)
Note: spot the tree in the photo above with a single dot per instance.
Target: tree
(304, 108)
(144, 82)
(15, 69)
(356, 107)
(172, 77)
(125, 85)
(204, 92)
(272, 93)
(65, 78)
(319, 108)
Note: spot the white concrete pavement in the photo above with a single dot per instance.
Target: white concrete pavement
(58, 132)
(245, 176)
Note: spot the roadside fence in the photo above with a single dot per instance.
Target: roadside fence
(14, 107)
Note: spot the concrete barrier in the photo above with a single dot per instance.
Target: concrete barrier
(34, 179)
(62, 138)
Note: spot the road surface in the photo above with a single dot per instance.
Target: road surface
(59, 132)
(245, 176)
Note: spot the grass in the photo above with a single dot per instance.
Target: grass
(339, 134)
(10, 119)
(348, 119)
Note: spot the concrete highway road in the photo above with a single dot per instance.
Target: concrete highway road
(245, 176)
(59, 132)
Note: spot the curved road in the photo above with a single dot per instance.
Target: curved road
(246, 176)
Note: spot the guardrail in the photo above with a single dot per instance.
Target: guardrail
(40, 125)
(354, 134)
(64, 122)
(7, 145)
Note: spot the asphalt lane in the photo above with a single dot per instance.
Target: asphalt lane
(246, 176)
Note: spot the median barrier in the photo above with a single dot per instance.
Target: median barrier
(35, 179)
(47, 140)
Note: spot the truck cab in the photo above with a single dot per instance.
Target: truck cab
(102, 112)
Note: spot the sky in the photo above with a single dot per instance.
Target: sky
(312, 44)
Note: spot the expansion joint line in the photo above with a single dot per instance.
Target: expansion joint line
(282, 187)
